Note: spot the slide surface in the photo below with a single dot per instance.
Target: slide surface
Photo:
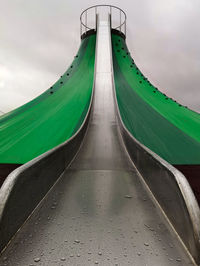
(99, 212)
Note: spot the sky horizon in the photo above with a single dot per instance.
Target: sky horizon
(39, 41)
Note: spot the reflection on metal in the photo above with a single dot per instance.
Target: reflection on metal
(84, 27)
(169, 187)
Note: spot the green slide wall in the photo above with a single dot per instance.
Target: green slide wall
(160, 123)
(54, 116)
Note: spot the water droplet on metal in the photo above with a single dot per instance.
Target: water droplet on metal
(37, 259)
(100, 253)
(63, 259)
(128, 196)
(77, 241)
(146, 244)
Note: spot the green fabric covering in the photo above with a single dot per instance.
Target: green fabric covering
(167, 128)
(51, 118)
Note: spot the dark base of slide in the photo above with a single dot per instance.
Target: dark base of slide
(192, 173)
(5, 170)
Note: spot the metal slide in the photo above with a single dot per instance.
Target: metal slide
(99, 212)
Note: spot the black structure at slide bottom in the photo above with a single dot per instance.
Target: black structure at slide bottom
(5, 170)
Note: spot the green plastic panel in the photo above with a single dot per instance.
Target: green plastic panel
(54, 116)
(160, 123)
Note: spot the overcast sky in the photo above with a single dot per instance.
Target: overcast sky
(39, 38)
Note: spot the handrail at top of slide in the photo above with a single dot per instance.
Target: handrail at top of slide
(169, 187)
(27, 185)
(121, 26)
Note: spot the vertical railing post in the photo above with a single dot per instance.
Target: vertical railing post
(96, 18)
(81, 26)
(125, 28)
(85, 20)
(111, 17)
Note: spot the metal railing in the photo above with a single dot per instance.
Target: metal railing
(85, 15)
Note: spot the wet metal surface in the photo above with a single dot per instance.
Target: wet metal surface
(102, 216)
(99, 212)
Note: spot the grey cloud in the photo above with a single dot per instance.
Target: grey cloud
(40, 38)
